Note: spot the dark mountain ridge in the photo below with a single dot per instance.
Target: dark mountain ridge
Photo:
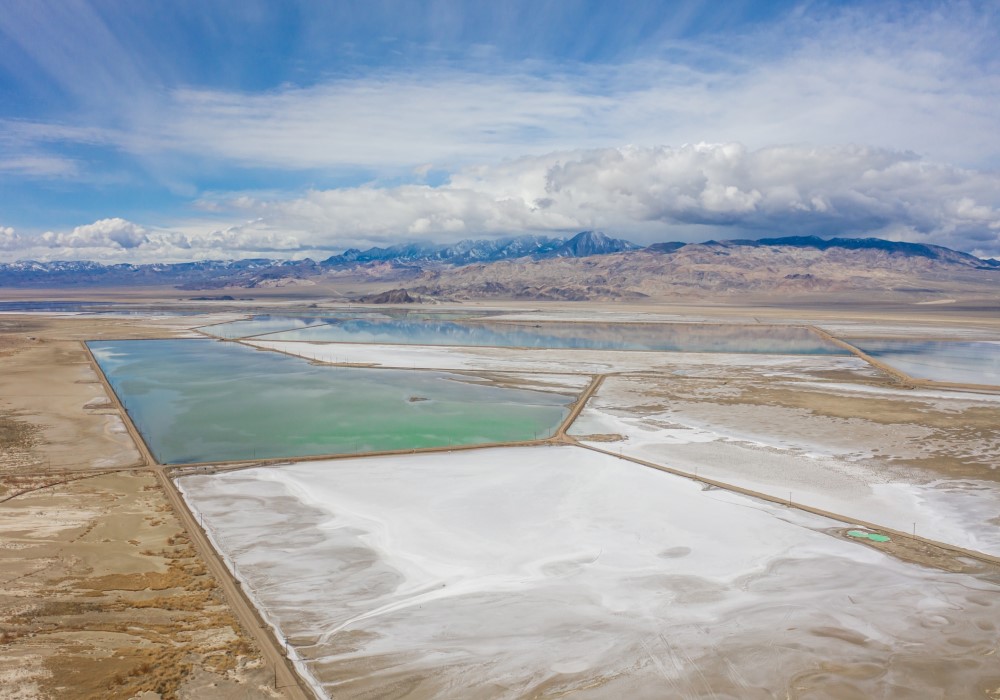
(411, 260)
(211, 274)
(923, 250)
(466, 252)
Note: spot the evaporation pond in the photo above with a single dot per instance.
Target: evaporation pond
(666, 337)
(205, 401)
(264, 324)
(52, 306)
(944, 361)
(258, 325)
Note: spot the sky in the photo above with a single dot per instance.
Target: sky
(173, 130)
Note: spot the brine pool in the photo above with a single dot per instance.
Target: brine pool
(663, 337)
(205, 400)
(263, 324)
(975, 362)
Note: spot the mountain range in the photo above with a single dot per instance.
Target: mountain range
(590, 265)
(581, 245)
(252, 272)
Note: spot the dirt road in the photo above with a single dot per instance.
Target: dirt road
(288, 681)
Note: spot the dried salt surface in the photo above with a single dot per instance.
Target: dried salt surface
(516, 572)
(557, 360)
(30, 521)
(22, 676)
(948, 399)
(844, 465)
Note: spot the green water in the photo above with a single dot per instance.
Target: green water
(862, 535)
(204, 400)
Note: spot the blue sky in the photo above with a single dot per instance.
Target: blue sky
(176, 130)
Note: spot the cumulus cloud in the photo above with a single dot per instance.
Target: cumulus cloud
(252, 237)
(107, 233)
(10, 239)
(120, 240)
(690, 192)
(111, 239)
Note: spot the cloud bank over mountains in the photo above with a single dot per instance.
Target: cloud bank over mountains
(158, 136)
(689, 193)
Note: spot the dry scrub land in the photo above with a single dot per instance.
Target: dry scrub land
(101, 593)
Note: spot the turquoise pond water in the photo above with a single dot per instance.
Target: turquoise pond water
(677, 337)
(966, 362)
(205, 400)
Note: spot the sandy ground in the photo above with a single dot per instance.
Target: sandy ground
(52, 402)
(102, 595)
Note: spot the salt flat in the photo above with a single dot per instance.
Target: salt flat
(862, 448)
(550, 359)
(517, 572)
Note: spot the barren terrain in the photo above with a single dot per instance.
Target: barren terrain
(111, 589)
(103, 595)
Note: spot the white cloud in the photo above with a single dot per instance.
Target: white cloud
(10, 239)
(252, 237)
(915, 83)
(451, 118)
(103, 234)
(921, 86)
(692, 192)
(119, 240)
(919, 83)
(40, 166)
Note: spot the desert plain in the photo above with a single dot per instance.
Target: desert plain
(683, 534)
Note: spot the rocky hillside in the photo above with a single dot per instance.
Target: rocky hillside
(590, 265)
(398, 262)
(725, 269)
(583, 244)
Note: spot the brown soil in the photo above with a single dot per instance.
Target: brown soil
(926, 554)
(111, 600)
(101, 593)
(601, 437)
(54, 413)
